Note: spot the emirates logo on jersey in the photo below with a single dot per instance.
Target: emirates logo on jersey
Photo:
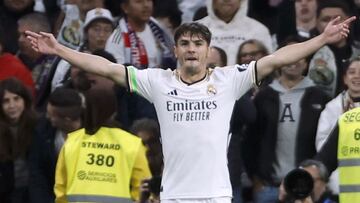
(211, 90)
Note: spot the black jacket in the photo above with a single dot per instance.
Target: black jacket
(42, 163)
(6, 180)
(260, 143)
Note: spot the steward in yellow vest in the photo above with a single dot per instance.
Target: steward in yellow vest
(342, 150)
(100, 163)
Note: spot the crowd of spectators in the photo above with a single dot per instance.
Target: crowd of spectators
(274, 127)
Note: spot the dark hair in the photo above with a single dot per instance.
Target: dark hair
(71, 102)
(154, 150)
(27, 121)
(349, 61)
(193, 29)
(291, 39)
(222, 53)
(323, 172)
(5, 142)
(294, 39)
(200, 13)
(343, 5)
(2, 38)
(36, 20)
(101, 107)
(168, 9)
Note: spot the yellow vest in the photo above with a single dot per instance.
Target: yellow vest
(99, 166)
(349, 156)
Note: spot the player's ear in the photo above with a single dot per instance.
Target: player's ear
(208, 51)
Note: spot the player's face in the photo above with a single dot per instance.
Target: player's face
(352, 79)
(192, 52)
(305, 9)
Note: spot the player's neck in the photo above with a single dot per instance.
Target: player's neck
(189, 77)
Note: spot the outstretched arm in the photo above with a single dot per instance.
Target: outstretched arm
(334, 32)
(47, 44)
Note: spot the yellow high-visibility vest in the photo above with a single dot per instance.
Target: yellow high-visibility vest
(97, 168)
(349, 156)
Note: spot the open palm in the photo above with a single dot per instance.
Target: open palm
(43, 42)
(336, 30)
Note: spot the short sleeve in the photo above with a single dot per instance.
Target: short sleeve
(139, 82)
(243, 78)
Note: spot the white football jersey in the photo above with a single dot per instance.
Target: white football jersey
(194, 122)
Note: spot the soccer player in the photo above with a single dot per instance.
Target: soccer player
(193, 103)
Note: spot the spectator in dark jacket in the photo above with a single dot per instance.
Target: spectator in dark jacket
(64, 112)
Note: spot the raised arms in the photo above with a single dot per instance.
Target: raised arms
(47, 44)
(334, 31)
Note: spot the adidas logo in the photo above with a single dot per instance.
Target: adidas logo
(242, 67)
(174, 92)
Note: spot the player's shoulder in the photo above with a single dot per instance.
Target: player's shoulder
(232, 68)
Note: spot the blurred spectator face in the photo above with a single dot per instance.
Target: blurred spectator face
(17, 6)
(250, 52)
(13, 106)
(352, 79)
(138, 10)
(326, 15)
(319, 183)
(214, 59)
(56, 118)
(97, 34)
(24, 44)
(226, 9)
(295, 70)
(305, 10)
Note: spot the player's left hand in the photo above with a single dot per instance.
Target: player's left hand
(337, 30)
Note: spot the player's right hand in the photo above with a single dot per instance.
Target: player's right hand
(42, 42)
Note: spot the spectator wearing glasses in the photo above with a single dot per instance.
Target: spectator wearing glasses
(253, 50)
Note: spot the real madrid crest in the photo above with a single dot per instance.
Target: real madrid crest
(211, 90)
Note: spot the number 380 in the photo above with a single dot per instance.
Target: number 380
(100, 160)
